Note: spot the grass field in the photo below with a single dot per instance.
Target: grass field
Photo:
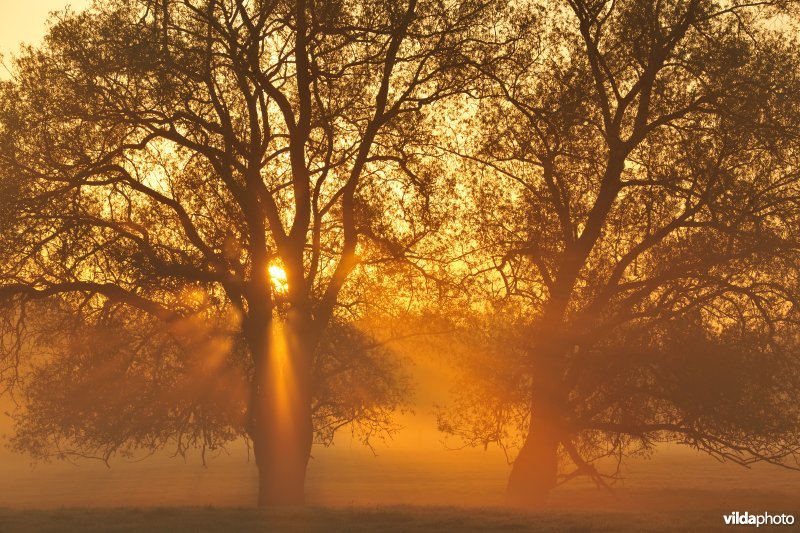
(348, 519)
(350, 490)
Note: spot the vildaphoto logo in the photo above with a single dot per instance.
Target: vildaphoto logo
(764, 519)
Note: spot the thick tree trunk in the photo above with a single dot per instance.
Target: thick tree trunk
(534, 472)
(533, 475)
(282, 449)
(281, 426)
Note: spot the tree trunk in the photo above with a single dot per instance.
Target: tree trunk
(281, 426)
(535, 470)
(282, 451)
(533, 474)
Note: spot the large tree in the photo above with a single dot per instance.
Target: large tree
(159, 160)
(638, 183)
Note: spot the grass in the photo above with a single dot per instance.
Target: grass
(345, 519)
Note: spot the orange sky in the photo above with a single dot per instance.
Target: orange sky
(25, 21)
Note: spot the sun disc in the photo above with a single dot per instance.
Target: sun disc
(278, 278)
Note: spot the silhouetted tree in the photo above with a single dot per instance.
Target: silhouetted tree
(642, 246)
(159, 159)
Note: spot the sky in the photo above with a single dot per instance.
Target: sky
(26, 21)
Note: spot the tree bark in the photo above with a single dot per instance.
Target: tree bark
(533, 474)
(282, 455)
(281, 425)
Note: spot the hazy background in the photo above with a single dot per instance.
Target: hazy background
(415, 467)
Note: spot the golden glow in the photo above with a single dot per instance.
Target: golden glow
(26, 22)
(280, 372)
(277, 276)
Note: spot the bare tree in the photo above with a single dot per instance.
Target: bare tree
(642, 246)
(159, 160)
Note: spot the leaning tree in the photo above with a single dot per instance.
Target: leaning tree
(639, 186)
(187, 186)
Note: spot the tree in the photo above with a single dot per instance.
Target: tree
(159, 160)
(642, 245)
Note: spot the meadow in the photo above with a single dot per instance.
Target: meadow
(346, 519)
(352, 491)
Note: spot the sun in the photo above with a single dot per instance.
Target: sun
(277, 276)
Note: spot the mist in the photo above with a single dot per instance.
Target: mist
(417, 466)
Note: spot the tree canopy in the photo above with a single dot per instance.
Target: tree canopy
(641, 250)
(160, 159)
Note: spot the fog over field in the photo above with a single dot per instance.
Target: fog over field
(416, 468)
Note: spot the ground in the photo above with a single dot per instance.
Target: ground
(400, 489)
(348, 519)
